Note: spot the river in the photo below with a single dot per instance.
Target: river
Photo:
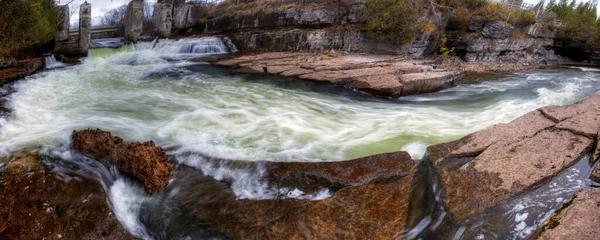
(185, 106)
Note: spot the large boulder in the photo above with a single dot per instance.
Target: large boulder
(37, 204)
(502, 161)
(497, 29)
(144, 162)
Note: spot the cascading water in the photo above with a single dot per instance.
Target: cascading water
(51, 62)
(189, 107)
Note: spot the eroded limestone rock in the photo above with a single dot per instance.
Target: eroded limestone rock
(142, 161)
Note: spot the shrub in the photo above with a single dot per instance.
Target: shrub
(24, 23)
(397, 19)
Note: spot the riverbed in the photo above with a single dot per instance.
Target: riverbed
(192, 107)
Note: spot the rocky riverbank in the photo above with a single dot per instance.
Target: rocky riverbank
(371, 197)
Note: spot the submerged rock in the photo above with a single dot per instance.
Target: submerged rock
(576, 219)
(502, 161)
(380, 167)
(142, 161)
(36, 204)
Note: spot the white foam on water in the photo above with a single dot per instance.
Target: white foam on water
(415, 149)
(126, 199)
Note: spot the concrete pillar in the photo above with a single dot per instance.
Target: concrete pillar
(134, 20)
(85, 27)
(184, 16)
(162, 17)
(63, 23)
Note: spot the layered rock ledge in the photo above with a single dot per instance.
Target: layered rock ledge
(376, 74)
(502, 161)
(144, 162)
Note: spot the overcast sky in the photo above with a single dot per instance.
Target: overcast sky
(99, 7)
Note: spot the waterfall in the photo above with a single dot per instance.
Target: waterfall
(196, 46)
(52, 63)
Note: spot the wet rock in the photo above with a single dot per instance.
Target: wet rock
(576, 219)
(473, 144)
(502, 161)
(506, 169)
(379, 75)
(362, 171)
(36, 204)
(134, 20)
(497, 29)
(476, 23)
(144, 162)
(372, 211)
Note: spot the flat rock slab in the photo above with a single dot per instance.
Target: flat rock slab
(502, 161)
(379, 75)
(579, 218)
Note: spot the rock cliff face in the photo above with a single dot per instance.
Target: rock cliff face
(495, 41)
(310, 29)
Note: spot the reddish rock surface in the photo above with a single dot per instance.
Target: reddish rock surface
(341, 174)
(38, 205)
(376, 74)
(142, 161)
(502, 161)
(15, 69)
(577, 219)
(370, 211)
